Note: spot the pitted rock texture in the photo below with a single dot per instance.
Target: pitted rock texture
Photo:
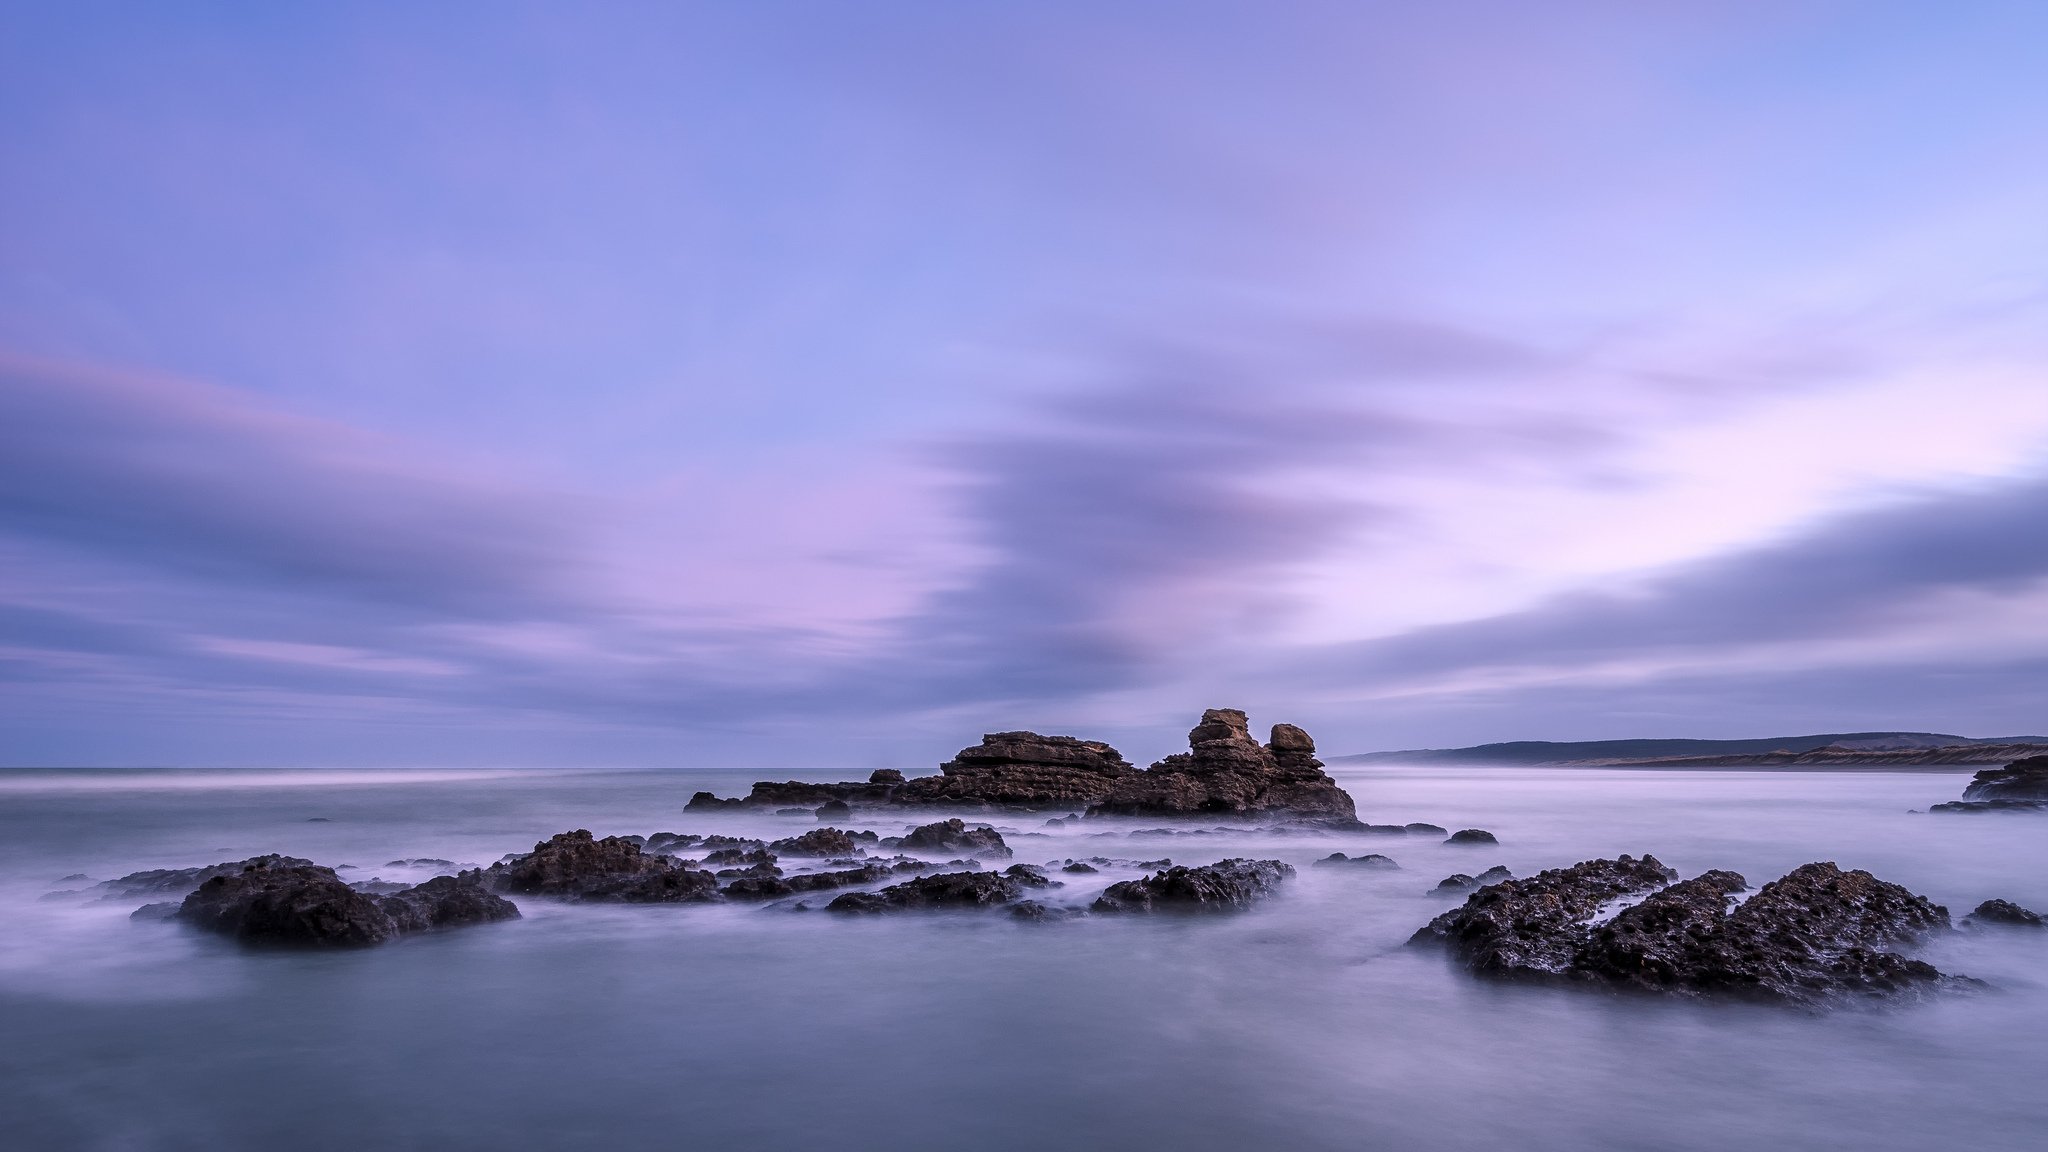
(2005, 912)
(1226, 771)
(1812, 937)
(287, 905)
(576, 866)
(1022, 770)
(2020, 780)
(1225, 886)
(817, 842)
(1369, 860)
(180, 881)
(955, 836)
(448, 902)
(944, 890)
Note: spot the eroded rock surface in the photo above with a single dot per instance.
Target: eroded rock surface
(1022, 770)
(577, 866)
(2020, 780)
(296, 904)
(179, 881)
(1816, 935)
(1369, 860)
(1225, 886)
(944, 890)
(2004, 912)
(447, 902)
(817, 842)
(955, 836)
(1226, 771)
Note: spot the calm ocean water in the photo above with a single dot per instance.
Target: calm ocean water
(1301, 1025)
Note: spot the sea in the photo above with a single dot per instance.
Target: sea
(1305, 1023)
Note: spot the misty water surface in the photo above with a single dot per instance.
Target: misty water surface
(1302, 1025)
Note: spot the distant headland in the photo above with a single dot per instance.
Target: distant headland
(1845, 749)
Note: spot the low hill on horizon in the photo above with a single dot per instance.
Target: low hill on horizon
(1822, 748)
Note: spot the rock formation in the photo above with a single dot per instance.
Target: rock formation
(955, 836)
(1226, 772)
(946, 890)
(2020, 780)
(817, 842)
(576, 866)
(272, 902)
(179, 881)
(1007, 770)
(1472, 836)
(1369, 860)
(1225, 886)
(1813, 936)
(2004, 912)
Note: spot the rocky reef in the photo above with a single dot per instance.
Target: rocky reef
(576, 866)
(1225, 886)
(1227, 772)
(278, 902)
(1814, 936)
(1224, 772)
(947, 890)
(955, 836)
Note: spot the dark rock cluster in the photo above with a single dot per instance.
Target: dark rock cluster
(1225, 886)
(1225, 771)
(1460, 882)
(1815, 935)
(281, 903)
(946, 890)
(2021, 786)
(1021, 770)
(2004, 912)
(1369, 860)
(577, 866)
(955, 836)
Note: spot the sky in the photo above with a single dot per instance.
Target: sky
(821, 385)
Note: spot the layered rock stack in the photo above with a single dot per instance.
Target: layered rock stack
(1023, 770)
(1227, 772)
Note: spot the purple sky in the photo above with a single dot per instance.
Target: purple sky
(824, 384)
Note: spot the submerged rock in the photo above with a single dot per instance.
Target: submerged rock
(576, 866)
(179, 881)
(1227, 885)
(1369, 860)
(944, 890)
(955, 836)
(1226, 771)
(1472, 836)
(2004, 912)
(2020, 780)
(1460, 882)
(1812, 936)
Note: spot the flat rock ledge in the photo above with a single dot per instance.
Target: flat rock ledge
(1812, 938)
(273, 903)
(2020, 780)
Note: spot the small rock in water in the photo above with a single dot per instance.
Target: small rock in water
(1224, 886)
(421, 862)
(1078, 867)
(955, 836)
(1472, 836)
(817, 842)
(2004, 912)
(1420, 829)
(947, 889)
(1369, 860)
(577, 866)
(833, 810)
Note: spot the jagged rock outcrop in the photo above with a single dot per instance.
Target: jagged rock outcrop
(817, 842)
(1460, 882)
(179, 881)
(1227, 772)
(1814, 936)
(2020, 780)
(1225, 886)
(955, 836)
(577, 866)
(280, 902)
(2005, 912)
(944, 890)
(448, 902)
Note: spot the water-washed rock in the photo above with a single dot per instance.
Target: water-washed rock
(1225, 886)
(2020, 780)
(1471, 836)
(1226, 771)
(1459, 882)
(576, 866)
(448, 902)
(1369, 860)
(817, 842)
(2004, 912)
(944, 890)
(1021, 770)
(287, 905)
(1814, 936)
(955, 836)
(180, 881)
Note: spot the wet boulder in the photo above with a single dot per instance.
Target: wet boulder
(578, 866)
(180, 881)
(1535, 927)
(1459, 882)
(1369, 860)
(1225, 886)
(287, 905)
(1227, 772)
(1471, 836)
(955, 836)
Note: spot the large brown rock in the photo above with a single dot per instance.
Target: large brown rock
(1227, 772)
